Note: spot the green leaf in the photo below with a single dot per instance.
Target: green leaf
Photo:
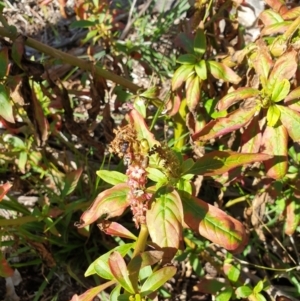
(213, 223)
(181, 75)
(201, 70)
(157, 279)
(291, 121)
(140, 106)
(4, 61)
(119, 270)
(258, 287)
(187, 59)
(232, 272)
(23, 157)
(156, 175)
(200, 43)
(218, 162)
(164, 219)
(112, 177)
(82, 24)
(281, 90)
(100, 265)
(259, 297)
(225, 295)
(193, 92)
(221, 71)
(6, 110)
(243, 291)
(71, 180)
(273, 115)
(269, 17)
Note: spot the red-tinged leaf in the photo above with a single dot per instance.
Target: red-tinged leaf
(219, 162)
(200, 43)
(193, 92)
(235, 96)
(141, 127)
(101, 267)
(157, 279)
(292, 216)
(164, 219)
(4, 62)
(225, 125)
(277, 28)
(291, 121)
(209, 286)
(5, 269)
(6, 110)
(281, 90)
(251, 138)
(185, 42)
(214, 224)
(181, 75)
(293, 100)
(93, 292)
(221, 71)
(292, 29)
(115, 229)
(173, 104)
(71, 180)
(4, 188)
(270, 17)
(277, 5)
(18, 49)
(109, 203)
(291, 14)
(273, 115)
(285, 67)
(118, 268)
(274, 142)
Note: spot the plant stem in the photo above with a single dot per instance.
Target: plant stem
(141, 241)
(74, 61)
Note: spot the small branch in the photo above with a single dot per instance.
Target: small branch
(74, 61)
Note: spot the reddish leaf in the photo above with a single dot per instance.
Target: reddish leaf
(71, 180)
(225, 125)
(118, 268)
(276, 28)
(185, 41)
(164, 219)
(181, 75)
(270, 17)
(291, 121)
(109, 203)
(292, 218)
(141, 127)
(173, 104)
(284, 68)
(218, 162)
(193, 92)
(4, 188)
(251, 138)
(209, 286)
(274, 142)
(235, 96)
(18, 49)
(277, 5)
(5, 269)
(293, 100)
(291, 14)
(221, 71)
(115, 229)
(4, 62)
(214, 224)
(93, 292)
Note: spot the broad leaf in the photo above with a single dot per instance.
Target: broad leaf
(157, 279)
(201, 70)
(200, 43)
(275, 28)
(270, 17)
(293, 100)
(109, 203)
(284, 68)
(281, 90)
(243, 291)
(181, 75)
(274, 142)
(218, 162)
(6, 110)
(118, 268)
(187, 59)
(291, 121)
(225, 125)
(112, 177)
(221, 71)
(210, 286)
(164, 219)
(70, 181)
(235, 96)
(115, 229)
(291, 14)
(93, 292)
(214, 224)
(251, 137)
(273, 115)
(292, 216)
(193, 92)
